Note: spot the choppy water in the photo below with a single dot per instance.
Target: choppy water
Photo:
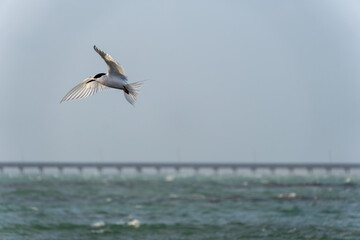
(177, 207)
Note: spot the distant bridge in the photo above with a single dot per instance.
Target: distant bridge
(138, 166)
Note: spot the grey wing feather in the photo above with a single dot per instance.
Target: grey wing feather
(83, 90)
(114, 67)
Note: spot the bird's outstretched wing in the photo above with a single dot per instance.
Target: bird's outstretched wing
(84, 89)
(114, 67)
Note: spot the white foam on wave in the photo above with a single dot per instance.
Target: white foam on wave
(34, 208)
(292, 195)
(134, 223)
(169, 178)
(98, 224)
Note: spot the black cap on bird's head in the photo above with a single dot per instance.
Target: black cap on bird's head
(99, 75)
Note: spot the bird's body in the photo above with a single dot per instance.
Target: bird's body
(115, 78)
(112, 81)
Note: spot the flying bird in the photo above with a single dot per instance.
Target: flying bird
(114, 78)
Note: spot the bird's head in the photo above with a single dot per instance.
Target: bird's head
(99, 75)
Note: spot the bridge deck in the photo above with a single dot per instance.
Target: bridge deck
(178, 165)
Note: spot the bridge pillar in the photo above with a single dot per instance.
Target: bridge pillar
(253, 170)
(1, 170)
(21, 170)
(80, 169)
(119, 169)
(99, 170)
(41, 170)
(347, 170)
(310, 170)
(60, 169)
(216, 170)
(272, 170)
(139, 169)
(328, 170)
(177, 169)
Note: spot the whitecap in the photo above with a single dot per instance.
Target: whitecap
(135, 223)
(98, 224)
(34, 208)
(292, 195)
(169, 178)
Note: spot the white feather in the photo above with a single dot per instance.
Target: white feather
(83, 90)
(134, 89)
(115, 78)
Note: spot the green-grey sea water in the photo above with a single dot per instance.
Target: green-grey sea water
(179, 207)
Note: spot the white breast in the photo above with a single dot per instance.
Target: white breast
(112, 81)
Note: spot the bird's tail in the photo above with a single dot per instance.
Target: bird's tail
(131, 91)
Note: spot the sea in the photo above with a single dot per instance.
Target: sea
(175, 206)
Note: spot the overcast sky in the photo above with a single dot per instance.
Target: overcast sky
(230, 81)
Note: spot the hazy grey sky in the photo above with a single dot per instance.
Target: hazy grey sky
(227, 78)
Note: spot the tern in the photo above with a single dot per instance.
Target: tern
(114, 78)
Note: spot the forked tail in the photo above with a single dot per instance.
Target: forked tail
(131, 91)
